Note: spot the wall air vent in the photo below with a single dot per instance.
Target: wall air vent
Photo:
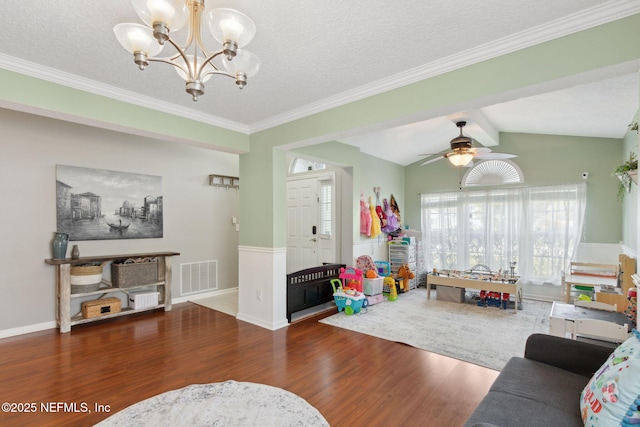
(198, 277)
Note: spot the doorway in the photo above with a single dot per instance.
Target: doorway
(311, 220)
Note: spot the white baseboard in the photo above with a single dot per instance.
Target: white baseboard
(259, 322)
(203, 295)
(6, 333)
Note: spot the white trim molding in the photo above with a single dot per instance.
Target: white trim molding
(262, 286)
(6, 333)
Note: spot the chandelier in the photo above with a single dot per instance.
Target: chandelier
(192, 61)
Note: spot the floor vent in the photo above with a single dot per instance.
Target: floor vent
(197, 277)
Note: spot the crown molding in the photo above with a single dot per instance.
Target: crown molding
(589, 18)
(52, 75)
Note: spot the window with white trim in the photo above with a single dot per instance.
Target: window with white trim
(299, 165)
(325, 205)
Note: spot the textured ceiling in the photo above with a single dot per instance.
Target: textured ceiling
(316, 55)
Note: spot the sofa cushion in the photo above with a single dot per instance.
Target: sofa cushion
(612, 396)
(533, 394)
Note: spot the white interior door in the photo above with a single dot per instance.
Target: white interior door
(310, 228)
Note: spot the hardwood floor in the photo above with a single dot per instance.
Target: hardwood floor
(352, 379)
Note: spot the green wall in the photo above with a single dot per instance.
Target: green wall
(388, 176)
(544, 160)
(367, 172)
(57, 101)
(608, 45)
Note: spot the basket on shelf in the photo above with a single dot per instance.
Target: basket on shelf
(86, 278)
(134, 272)
(101, 307)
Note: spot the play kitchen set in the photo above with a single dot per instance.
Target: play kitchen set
(357, 288)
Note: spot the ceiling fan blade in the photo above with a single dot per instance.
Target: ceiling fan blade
(439, 153)
(480, 149)
(494, 156)
(435, 159)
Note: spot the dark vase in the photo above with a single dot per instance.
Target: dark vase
(75, 252)
(59, 245)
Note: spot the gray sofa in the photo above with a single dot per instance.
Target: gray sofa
(543, 388)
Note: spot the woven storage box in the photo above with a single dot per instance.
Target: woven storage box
(134, 272)
(85, 278)
(100, 307)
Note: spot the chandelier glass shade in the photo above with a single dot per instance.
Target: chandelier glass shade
(192, 60)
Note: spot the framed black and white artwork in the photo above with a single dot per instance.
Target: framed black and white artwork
(98, 204)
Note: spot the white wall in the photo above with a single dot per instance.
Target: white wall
(197, 217)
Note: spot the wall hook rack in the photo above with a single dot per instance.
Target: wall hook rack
(224, 181)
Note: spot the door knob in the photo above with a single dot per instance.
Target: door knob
(314, 239)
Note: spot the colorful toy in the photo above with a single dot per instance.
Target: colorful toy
(364, 263)
(493, 299)
(353, 275)
(482, 299)
(505, 300)
(405, 274)
(383, 268)
(388, 283)
(393, 292)
(351, 302)
(371, 274)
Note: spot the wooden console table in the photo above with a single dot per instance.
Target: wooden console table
(64, 295)
(514, 289)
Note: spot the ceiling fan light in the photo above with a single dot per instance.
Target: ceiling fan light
(137, 38)
(173, 13)
(460, 159)
(230, 25)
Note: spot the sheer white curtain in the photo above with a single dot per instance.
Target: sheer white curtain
(537, 227)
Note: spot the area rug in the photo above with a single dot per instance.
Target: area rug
(229, 403)
(486, 336)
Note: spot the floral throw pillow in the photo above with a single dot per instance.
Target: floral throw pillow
(612, 396)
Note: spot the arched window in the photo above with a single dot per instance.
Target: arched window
(299, 165)
(493, 172)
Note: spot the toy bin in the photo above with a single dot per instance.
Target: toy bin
(373, 286)
(347, 302)
(374, 299)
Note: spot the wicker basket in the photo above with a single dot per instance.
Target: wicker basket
(100, 307)
(86, 278)
(134, 272)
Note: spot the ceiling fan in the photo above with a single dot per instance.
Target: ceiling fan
(462, 153)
